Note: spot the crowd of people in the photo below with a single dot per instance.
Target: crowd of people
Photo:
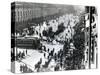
(60, 58)
(19, 55)
(55, 31)
(25, 69)
(60, 28)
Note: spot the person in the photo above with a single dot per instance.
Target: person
(53, 50)
(61, 63)
(19, 54)
(23, 54)
(48, 50)
(21, 68)
(40, 60)
(55, 57)
(25, 68)
(44, 48)
(44, 55)
(48, 56)
(26, 51)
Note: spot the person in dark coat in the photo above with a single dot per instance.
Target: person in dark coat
(26, 51)
(21, 68)
(44, 55)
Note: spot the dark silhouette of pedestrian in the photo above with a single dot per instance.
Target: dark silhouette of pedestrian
(26, 51)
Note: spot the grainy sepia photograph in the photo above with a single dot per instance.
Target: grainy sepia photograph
(53, 37)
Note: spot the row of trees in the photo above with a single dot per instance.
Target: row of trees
(75, 60)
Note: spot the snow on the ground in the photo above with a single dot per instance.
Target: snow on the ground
(17, 66)
(33, 56)
(33, 59)
(52, 65)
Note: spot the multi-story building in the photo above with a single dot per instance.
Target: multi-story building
(91, 38)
